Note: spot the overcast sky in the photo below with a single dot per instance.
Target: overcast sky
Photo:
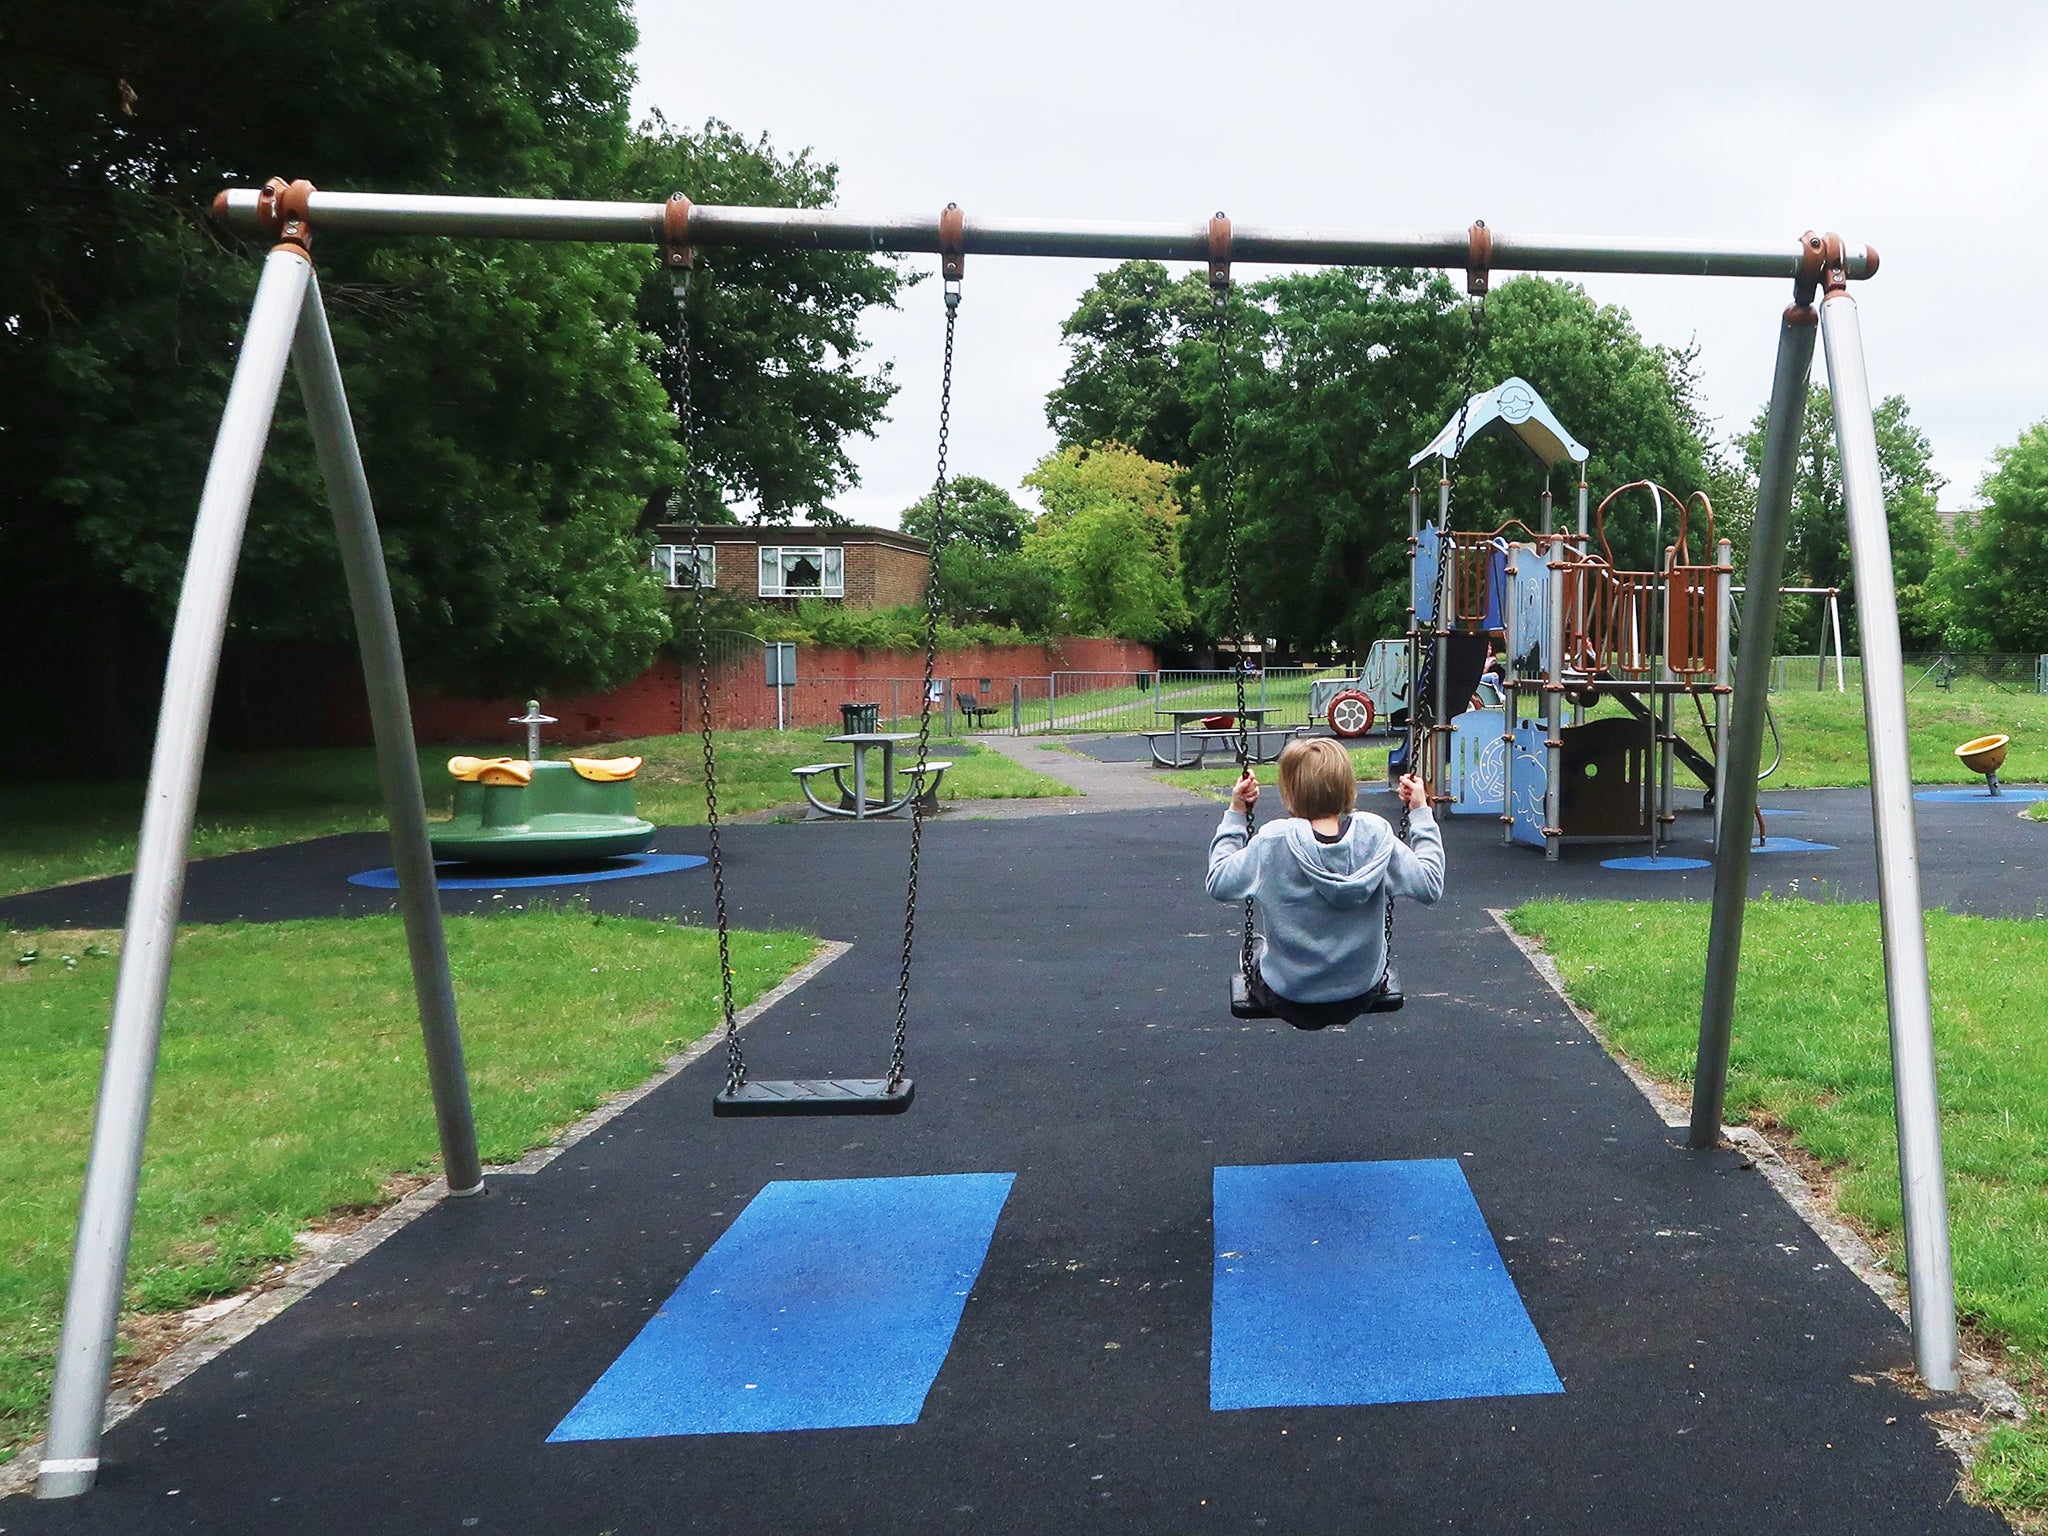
(1919, 128)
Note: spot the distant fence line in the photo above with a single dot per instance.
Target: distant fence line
(1943, 671)
(1051, 703)
(1006, 704)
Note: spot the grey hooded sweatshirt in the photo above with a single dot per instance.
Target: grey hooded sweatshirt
(1324, 904)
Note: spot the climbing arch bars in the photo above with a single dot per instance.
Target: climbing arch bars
(287, 323)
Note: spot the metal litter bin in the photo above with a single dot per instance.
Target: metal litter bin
(856, 718)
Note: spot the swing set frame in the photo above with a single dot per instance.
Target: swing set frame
(288, 324)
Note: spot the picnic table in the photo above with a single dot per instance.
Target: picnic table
(853, 800)
(1205, 740)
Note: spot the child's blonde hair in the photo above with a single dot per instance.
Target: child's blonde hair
(1317, 779)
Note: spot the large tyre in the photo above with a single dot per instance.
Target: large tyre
(1350, 714)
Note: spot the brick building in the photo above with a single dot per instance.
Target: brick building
(861, 567)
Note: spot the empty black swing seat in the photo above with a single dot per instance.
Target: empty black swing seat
(815, 1096)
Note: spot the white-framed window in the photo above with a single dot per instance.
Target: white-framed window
(687, 565)
(803, 570)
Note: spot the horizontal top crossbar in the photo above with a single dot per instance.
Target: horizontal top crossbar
(831, 229)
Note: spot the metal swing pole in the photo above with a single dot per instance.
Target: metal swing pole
(398, 763)
(1742, 746)
(1724, 631)
(1835, 619)
(1915, 1091)
(106, 1215)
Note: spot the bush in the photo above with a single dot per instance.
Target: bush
(816, 622)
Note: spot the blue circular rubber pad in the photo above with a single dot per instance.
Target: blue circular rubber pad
(449, 878)
(1667, 865)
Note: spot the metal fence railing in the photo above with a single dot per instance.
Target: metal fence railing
(1086, 702)
(1081, 703)
(1937, 671)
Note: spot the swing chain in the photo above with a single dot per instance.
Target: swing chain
(1422, 708)
(932, 607)
(735, 1062)
(1219, 289)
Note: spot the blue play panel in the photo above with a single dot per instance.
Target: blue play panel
(829, 1304)
(1664, 865)
(2007, 795)
(1790, 845)
(1347, 1283)
(625, 868)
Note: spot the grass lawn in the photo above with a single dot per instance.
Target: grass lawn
(1811, 1056)
(53, 833)
(293, 1084)
(1371, 763)
(753, 772)
(1825, 747)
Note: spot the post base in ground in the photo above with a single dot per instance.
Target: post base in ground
(66, 1479)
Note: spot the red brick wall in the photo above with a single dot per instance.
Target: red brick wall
(828, 676)
(893, 577)
(313, 695)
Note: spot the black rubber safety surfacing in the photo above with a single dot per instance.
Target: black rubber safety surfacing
(1115, 1169)
(815, 1096)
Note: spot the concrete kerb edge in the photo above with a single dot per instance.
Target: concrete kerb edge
(1981, 1379)
(226, 1321)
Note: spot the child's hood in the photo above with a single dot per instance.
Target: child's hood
(1346, 873)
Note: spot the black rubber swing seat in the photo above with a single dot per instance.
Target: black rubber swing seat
(1386, 998)
(815, 1096)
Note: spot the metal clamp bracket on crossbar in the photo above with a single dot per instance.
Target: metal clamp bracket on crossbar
(1478, 258)
(281, 209)
(952, 251)
(1219, 254)
(677, 254)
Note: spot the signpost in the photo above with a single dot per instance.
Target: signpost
(781, 659)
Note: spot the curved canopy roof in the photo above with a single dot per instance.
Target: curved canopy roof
(1513, 408)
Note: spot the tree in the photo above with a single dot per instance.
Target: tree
(2003, 586)
(1111, 533)
(1341, 376)
(508, 402)
(121, 304)
(979, 513)
(776, 382)
(1817, 549)
(1634, 406)
(1126, 382)
(985, 574)
(1017, 588)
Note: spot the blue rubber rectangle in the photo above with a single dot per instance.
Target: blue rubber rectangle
(1346, 1283)
(827, 1304)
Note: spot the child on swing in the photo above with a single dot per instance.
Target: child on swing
(1323, 877)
